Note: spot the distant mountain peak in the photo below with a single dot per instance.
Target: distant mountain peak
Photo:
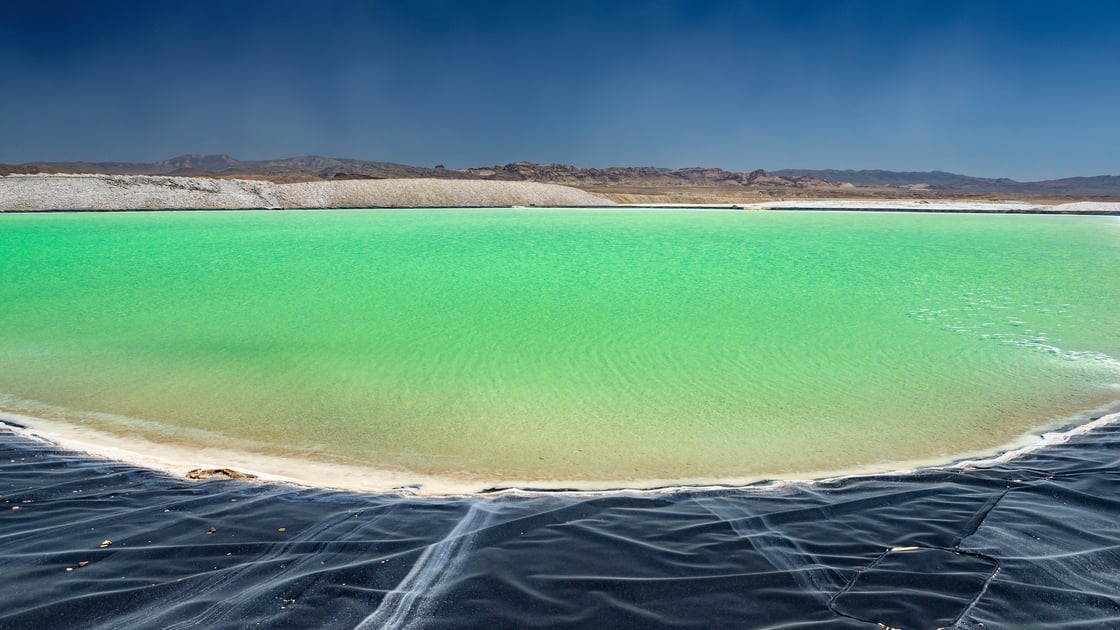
(194, 162)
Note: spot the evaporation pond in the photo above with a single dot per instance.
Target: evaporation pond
(574, 347)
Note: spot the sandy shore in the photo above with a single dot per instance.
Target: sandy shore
(181, 459)
(144, 192)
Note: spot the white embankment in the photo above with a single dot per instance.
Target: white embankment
(150, 192)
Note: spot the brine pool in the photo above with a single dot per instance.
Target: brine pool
(475, 348)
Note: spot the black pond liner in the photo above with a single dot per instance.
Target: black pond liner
(916, 587)
(1030, 543)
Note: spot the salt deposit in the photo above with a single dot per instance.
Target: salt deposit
(131, 192)
(937, 205)
(430, 193)
(896, 204)
(1088, 206)
(144, 192)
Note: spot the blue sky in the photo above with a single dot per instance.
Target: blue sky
(1020, 89)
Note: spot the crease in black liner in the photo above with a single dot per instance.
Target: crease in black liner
(1004, 545)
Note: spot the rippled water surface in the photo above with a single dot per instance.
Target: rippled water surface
(621, 347)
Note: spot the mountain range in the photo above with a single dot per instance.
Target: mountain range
(1101, 185)
(314, 168)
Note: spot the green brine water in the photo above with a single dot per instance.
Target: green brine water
(577, 348)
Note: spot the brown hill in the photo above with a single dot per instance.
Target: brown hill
(312, 168)
(641, 176)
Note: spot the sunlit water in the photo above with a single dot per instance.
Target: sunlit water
(617, 347)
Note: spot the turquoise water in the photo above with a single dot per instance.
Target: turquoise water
(579, 346)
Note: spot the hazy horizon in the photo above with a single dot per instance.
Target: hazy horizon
(1017, 90)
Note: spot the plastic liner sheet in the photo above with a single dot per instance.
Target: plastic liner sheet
(1032, 542)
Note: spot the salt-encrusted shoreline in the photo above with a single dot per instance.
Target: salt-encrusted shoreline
(182, 460)
(904, 205)
(147, 192)
(940, 205)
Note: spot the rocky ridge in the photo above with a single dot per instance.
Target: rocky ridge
(642, 175)
(316, 168)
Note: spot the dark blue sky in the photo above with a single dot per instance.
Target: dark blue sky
(1022, 89)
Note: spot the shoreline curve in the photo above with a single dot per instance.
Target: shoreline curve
(204, 463)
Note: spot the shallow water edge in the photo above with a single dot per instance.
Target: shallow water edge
(325, 475)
